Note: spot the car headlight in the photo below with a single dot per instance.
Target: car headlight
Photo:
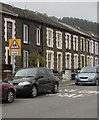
(76, 76)
(24, 83)
(10, 83)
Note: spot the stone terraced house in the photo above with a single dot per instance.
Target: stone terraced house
(62, 46)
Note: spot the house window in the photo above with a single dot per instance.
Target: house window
(59, 39)
(91, 61)
(49, 37)
(50, 59)
(68, 41)
(25, 34)
(88, 61)
(88, 46)
(38, 36)
(25, 58)
(59, 61)
(68, 61)
(82, 44)
(96, 61)
(7, 57)
(75, 61)
(91, 47)
(82, 60)
(9, 30)
(96, 48)
(75, 43)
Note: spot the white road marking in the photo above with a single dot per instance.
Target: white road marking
(77, 96)
(74, 93)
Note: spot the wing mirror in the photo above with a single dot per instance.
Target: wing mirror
(40, 76)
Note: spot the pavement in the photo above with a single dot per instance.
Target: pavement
(67, 82)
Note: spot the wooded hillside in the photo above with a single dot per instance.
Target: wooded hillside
(88, 26)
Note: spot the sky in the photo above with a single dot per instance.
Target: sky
(82, 9)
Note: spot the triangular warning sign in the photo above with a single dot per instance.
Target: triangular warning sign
(14, 45)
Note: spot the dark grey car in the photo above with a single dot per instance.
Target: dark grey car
(31, 81)
(88, 75)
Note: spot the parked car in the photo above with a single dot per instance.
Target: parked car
(74, 73)
(7, 91)
(31, 81)
(88, 75)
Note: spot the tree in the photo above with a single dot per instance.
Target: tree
(34, 58)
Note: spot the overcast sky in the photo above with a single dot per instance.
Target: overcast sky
(82, 9)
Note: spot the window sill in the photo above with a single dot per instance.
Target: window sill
(27, 43)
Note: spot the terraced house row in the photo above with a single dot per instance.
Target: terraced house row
(62, 46)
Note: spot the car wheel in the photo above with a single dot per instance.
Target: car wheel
(10, 96)
(34, 91)
(55, 88)
(97, 82)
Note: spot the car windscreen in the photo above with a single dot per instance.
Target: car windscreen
(88, 70)
(26, 72)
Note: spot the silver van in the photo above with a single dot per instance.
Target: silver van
(88, 75)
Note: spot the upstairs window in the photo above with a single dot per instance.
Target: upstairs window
(49, 37)
(75, 42)
(38, 36)
(96, 48)
(91, 47)
(88, 46)
(9, 30)
(82, 44)
(25, 34)
(59, 40)
(68, 41)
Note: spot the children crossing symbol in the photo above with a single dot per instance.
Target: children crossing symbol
(14, 45)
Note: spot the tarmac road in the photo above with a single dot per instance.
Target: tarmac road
(71, 102)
